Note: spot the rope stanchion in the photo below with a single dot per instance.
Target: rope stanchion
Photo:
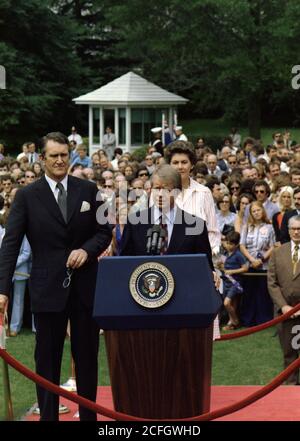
(261, 327)
(46, 384)
(9, 414)
(279, 379)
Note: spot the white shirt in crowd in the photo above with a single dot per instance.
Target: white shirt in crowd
(75, 137)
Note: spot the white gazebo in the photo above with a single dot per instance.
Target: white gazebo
(130, 105)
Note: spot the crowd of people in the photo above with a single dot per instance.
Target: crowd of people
(246, 192)
(245, 188)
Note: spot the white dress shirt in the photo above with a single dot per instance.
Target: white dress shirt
(52, 185)
(198, 201)
(169, 218)
(76, 137)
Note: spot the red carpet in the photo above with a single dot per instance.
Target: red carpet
(283, 404)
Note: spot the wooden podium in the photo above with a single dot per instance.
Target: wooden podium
(160, 358)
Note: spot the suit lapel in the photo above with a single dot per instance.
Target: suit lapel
(47, 198)
(178, 233)
(73, 196)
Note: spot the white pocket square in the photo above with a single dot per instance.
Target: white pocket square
(85, 206)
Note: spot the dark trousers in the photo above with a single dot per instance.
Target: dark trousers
(256, 305)
(289, 353)
(50, 336)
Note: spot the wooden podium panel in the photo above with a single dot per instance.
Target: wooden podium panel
(160, 374)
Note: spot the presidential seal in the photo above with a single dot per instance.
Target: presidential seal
(151, 285)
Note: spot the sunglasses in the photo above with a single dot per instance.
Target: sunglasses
(260, 191)
(235, 188)
(107, 186)
(143, 174)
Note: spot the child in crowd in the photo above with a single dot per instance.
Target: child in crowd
(235, 263)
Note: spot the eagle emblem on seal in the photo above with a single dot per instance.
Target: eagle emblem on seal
(152, 284)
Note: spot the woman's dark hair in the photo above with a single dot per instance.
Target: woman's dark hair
(234, 180)
(221, 200)
(249, 196)
(181, 147)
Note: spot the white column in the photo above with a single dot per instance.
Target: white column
(101, 126)
(117, 126)
(128, 129)
(90, 129)
(170, 122)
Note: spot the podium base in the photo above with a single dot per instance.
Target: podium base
(160, 374)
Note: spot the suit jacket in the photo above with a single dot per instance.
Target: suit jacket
(284, 287)
(134, 239)
(36, 213)
(284, 231)
(223, 165)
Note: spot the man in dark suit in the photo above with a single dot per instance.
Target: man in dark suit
(284, 288)
(58, 215)
(186, 234)
(284, 230)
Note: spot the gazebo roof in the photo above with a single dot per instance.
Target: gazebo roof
(130, 89)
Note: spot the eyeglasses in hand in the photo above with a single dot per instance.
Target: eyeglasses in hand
(67, 280)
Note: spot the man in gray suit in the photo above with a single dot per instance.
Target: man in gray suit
(284, 288)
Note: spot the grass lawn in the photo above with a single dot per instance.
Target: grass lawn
(209, 127)
(249, 360)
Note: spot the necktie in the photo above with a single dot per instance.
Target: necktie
(31, 160)
(164, 227)
(62, 200)
(295, 258)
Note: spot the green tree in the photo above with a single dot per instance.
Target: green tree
(231, 55)
(43, 70)
(95, 40)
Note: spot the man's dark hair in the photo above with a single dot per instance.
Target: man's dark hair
(58, 137)
(118, 151)
(233, 237)
(6, 178)
(295, 171)
(262, 183)
(211, 181)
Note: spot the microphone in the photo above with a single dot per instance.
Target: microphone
(149, 236)
(162, 238)
(155, 235)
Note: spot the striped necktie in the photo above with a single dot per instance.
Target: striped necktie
(62, 200)
(164, 227)
(295, 258)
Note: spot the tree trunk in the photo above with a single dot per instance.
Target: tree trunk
(254, 115)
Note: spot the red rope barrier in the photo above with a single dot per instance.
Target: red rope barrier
(123, 417)
(279, 379)
(46, 384)
(261, 327)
